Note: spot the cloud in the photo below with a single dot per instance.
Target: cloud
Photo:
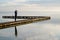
(31, 7)
(13, 2)
(22, 5)
(39, 8)
(18, 2)
(43, 1)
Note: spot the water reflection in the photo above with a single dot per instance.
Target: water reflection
(15, 31)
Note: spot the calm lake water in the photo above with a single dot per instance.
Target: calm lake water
(45, 30)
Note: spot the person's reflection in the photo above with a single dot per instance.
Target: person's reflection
(15, 31)
(15, 20)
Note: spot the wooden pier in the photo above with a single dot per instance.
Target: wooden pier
(21, 22)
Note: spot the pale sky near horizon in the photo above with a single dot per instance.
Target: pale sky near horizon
(30, 5)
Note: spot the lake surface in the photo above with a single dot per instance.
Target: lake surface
(45, 30)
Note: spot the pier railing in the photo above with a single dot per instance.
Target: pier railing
(24, 17)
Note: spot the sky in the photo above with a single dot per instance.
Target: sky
(30, 5)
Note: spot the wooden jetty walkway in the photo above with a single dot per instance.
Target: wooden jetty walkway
(21, 22)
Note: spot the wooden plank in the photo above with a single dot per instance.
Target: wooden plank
(21, 22)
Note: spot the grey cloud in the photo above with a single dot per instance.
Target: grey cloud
(43, 1)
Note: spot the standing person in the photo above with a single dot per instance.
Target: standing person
(15, 14)
(15, 21)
